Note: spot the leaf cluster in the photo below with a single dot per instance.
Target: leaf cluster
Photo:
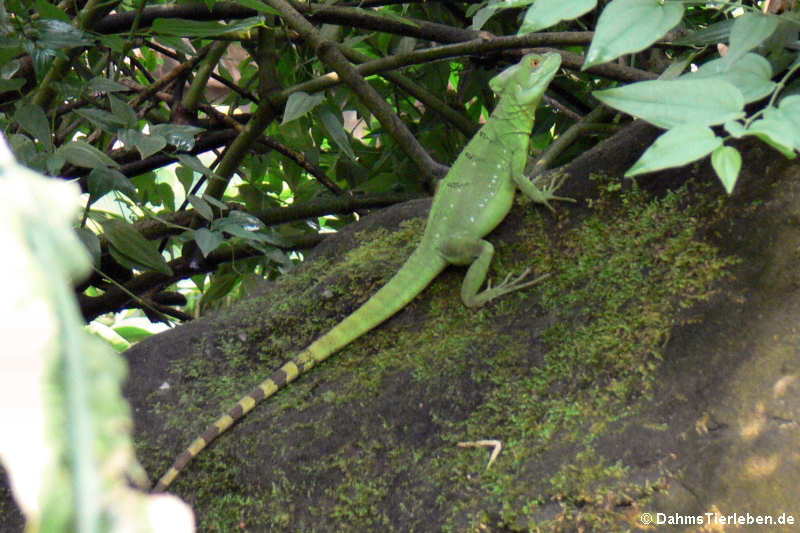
(213, 141)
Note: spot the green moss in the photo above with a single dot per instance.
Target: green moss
(548, 371)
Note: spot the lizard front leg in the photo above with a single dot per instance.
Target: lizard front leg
(477, 253)
(546, 193)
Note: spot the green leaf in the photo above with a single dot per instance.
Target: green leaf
(727, 161)
(390, 14)
(776, 132)
(102, 119)
(59, 35)
(32, 119)
(748, 31)
(11, 85)
(789, 110)
(82, 154)
(735, 128)
(147, 145)
(751, 75)
(485, 13)
(123, 111)
(54, 163)
(102, 180)
(100, 84)
(46, 10)
(181, 136)
(223, 281)
(300, 103)
(195, 164)
(130, 245)
(670, 103)
(216, 203)
(546, 13)
(132, 333)
(259, 6)
(201, 206)
(628, 26)
(333, 125)
(202, 29)
(208, 241)
(176, 43)
(675, 148)
(716, 33)
(186, 176)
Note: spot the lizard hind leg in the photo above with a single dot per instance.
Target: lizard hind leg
(477, 253)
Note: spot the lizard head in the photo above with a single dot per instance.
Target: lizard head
(528, 79)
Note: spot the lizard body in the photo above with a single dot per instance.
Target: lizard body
(474, 197)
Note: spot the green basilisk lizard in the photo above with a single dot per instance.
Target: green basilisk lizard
(474, 197)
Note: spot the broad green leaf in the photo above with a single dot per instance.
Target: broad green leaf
(208, 241)
(259, 6)
(181, 136)
(115, 43)
(546, 13)
(46, 10)
(82, 154)
(133, 333)
(223, 281)
(677, 66)
(124, 112)
(748, 31)
(186, 176)
(775, 132)
(216, 203)
(202, 29)
(176, 43)
(101, 84)
(114, 339)
(751, 75)
(300, 103)
(201, 206)
(101, 119)
(716, 33)
(485, 13)
(9, 67)
(671, 103)
(735, 128)
(392, 15)
(195, 164)
(789, 108)
(129, 244)
(11, 85)
(627, 26)
(54, 163)
(32, 119)
(333, 125)
(103, 179)
(676, 147)
(147, 145)
(727, 161)
(59, 35)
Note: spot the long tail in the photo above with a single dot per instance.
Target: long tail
(417, 272)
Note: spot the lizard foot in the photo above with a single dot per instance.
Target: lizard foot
(546, 186)
(509, 285)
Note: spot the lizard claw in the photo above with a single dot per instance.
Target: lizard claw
(547, 185)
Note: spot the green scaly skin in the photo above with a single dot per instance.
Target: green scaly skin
(474, 197)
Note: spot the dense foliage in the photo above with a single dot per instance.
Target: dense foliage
(213, 141)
